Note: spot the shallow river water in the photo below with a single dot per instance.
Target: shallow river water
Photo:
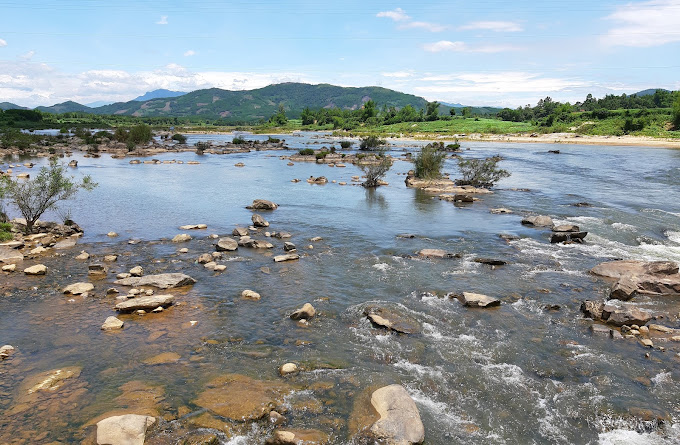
(517, 374)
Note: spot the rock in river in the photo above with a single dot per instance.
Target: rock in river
(262, 204)
(306, 312)
(146, 303)
(399, 422)
(470, 299)
(112, 323)
(393, 320)
(658, 278)
(286, 257)
(129, 429)
(615, 313)
(297, 437)
(78, 288)
(38, 269)
(10, 255)
(538, 221)
(437, 253)
(181, 238)
(161, 281)
(226, 245)
(259, 221)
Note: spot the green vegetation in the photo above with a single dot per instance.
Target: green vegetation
(272, 140)
(371, 142)
(238, 140)
(33, 197)
(5, 232)
(306, 151)
(481, 172)
(375, 169)
(140, 134)
(345, 144)
(429, 162)
(179, 138)
(676, 111)
(279, 119)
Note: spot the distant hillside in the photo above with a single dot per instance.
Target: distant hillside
(648, 92)
(157, 94)
(262, 103)
(99, 103)
(11, 106)
(66, 107)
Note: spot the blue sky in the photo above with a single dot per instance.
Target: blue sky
(474, 52)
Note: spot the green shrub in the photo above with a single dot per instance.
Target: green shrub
(375, 171)
(306, 152)
(121, 134)
(429, 162)
(371, 142)
(238, 140)
(453, 147)
(321, 154)
(140, 134)
(345, 144)
(179, 138)
(5, 236)
(481, 172)
(272, 140)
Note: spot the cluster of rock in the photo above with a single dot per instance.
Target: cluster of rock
(563, 233)
(49, 237)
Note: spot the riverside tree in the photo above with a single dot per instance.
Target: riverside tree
(375, 169)
(481, 172)
(33, 197)
(676, 111)
(429, 162)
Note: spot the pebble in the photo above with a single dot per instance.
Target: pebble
(288, 368)
(644, 330)
(250, 295)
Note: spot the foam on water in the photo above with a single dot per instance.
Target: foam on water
(419, 370)
(628, 437)
(383, 267)
(662, 378)
(506, 372)
(673, 236)
(624, 227)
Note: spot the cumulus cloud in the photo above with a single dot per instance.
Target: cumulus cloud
(645, 24)
(462, 47)
(190, 53)
(3, 43)
(163, 20)
(398, 15)
(30, 84)
(496, 26)
(427, 26)
(505, 82)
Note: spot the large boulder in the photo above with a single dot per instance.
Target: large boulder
(262, 204)
(145, 303)
(161, 281)
(226, 245)
(259, 221)
(615, 313)
(399, 422)
(392, 320)
(9, 255)
(538, 221)
(129, 429)
(471, 299)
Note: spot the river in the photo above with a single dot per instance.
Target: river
(517, 374)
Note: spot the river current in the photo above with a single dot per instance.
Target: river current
(517, 374)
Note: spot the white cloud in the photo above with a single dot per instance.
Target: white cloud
(495, 83)
(30, 84)
(163, 20)
(399, 74)
(27, 56)
(398, 15)
(645, 24)
(3, 43)
(190, 53)
(497, 26)
(432, 27)
(462, 47)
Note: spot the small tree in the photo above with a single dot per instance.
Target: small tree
(33, 197)
(481, 172)
(180, 138)
(279, 119)
(140, 134)
(429, 162)
(376, 169)
(676, 111)
(371, 143)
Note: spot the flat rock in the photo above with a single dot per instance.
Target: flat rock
(65, 244)
(240, 231)
(471, 299)
(399, 422)
(10, 255)
(241, 398)
(437, 253)
(161, 281)
(501, 211)
(562, 237)
(491, 261)
(286, 257)
(617, 269)
(298, 437)
(193, 227)
(112, 323)
(181, 238)
(538, 221)
(226, 245)
(262, 204)
(38, 269)
(566, 228)
(129, 429)
(9, 267)
(390, 319)
(615, 313)
(146, 303)
(78, 288)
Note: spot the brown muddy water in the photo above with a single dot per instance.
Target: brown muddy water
(517, 374)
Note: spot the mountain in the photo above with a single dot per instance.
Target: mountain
(11, 106)
(157, 94)
(99, 103)
(66, 107)
(450, 105)
(262, 103)
(648, 92)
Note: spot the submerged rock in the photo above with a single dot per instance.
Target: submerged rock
(161, 281)
(390, 319)
(437, 253)
(262, 204)
(240, 398)
(147, 303)
(298, 437)
(471, 299)
(129, 429)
